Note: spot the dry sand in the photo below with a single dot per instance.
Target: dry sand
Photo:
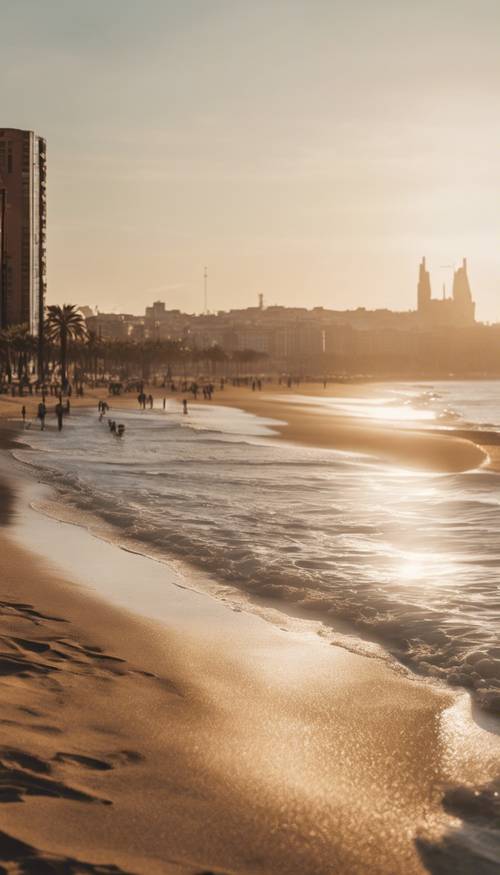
(215, 741)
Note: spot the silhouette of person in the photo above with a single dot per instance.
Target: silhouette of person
(59, 414)
(184, 406)
(42, 412)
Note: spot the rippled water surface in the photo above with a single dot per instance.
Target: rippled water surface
(411, 558)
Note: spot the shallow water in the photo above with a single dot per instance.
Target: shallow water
(411, 558)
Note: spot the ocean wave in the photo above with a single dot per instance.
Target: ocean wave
(410, 561)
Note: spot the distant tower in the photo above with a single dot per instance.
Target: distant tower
(205, 290)
(423, 289)
(261, 301)
(465, 307)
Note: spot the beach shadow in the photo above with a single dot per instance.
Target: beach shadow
(473, 848)
(488, 721)
(33, 861)
(23, 774)
(7, 498)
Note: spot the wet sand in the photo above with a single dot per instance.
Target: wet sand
(305, 424)
(237, 748)
(183, 736)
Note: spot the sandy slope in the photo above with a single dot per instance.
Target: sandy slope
(216, 741)
(311, 426)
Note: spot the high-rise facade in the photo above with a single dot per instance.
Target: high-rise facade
(23, 171)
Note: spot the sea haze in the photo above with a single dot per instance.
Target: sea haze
(408, 558)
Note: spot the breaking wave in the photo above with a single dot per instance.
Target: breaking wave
(411, 559)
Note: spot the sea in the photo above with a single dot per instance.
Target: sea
(407, 559)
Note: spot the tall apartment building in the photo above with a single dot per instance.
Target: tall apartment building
(22, 228)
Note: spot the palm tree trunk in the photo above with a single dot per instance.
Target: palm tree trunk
(9, 365)
(64, 357)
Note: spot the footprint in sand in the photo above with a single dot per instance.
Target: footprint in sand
(23, 774)
(27, 859)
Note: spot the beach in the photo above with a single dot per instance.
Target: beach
(152, 727)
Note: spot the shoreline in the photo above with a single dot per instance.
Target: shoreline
(205, 673)
(299, 418)
(344, 626)
(308, 425)
(303, 423)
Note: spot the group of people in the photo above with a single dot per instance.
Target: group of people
(116, 428)
(144, 399)
(207, 390)
(60, 410)
(25, 387)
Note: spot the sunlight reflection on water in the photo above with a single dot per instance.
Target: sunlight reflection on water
(413, 557)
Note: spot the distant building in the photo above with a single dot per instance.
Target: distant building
(458, 311)
(109, 326)
(439, 337)
(23, 173)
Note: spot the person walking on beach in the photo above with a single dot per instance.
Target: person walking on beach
(150, 400)
(59, 414)
(164, 403)
(23, 414)
(184, 406)
(42, 412)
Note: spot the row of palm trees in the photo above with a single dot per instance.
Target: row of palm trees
(67, 342)
(19, 348)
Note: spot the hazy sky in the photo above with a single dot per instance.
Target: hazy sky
(311, 150)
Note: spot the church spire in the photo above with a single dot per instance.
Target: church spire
(424, 287)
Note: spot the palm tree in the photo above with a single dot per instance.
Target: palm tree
(24, 346)
(17, 349)
(212, 355)
(64, 324)
(7, 338)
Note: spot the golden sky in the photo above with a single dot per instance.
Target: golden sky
(311, 150)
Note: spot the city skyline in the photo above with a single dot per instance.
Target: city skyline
(248, 140)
